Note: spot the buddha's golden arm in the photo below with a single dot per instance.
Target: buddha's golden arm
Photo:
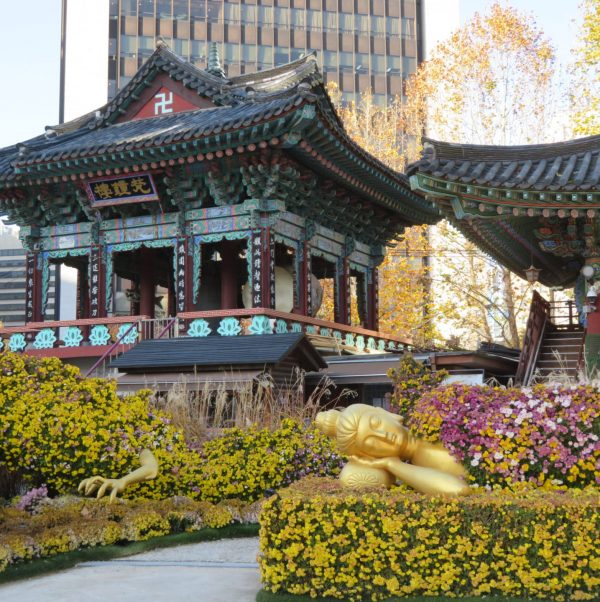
(146, 472)
(422, 479)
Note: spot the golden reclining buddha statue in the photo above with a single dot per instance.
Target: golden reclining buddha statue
(382, 450)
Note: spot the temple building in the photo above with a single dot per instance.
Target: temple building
(536, 210)
(193, 204)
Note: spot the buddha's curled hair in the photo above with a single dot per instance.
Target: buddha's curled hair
(343, 426)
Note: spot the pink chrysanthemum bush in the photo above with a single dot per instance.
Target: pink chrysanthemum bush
(546, 436)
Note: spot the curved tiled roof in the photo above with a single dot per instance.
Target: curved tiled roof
(286, 106)
(151, 132)
(572, 165)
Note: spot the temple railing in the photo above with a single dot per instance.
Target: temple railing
(543, 315)
(111, 335)
(95, 334)
(539, 317)
(332, 336)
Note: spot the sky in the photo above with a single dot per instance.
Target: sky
(31, 58)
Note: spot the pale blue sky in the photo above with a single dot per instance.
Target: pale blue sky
(31, 41)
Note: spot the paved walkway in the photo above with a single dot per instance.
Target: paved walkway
(214, 571)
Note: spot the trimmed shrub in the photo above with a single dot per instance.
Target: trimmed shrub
(543, 435)
(319, 539)
(57, 428)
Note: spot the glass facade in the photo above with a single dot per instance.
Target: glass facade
(360, 44)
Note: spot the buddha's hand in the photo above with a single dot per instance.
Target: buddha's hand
(372, 462)
(89, 486)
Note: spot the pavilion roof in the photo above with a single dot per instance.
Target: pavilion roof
(285, 107)
(520, 204)
(561, 166)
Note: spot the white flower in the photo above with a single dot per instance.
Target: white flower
(506, 411)
(498, 456)
(510, 434)
(474, 462)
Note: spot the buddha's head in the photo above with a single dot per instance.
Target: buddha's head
(362, 430)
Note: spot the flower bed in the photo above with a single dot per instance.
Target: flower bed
(56, 428)
(543, 435)
(321, 540)
(66, 524)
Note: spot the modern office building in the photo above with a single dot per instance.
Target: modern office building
(360, 44)
(13, 277)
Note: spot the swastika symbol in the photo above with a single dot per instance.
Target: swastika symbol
(163, 103)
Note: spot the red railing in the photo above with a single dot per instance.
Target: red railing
(543, 315)
(539, 317)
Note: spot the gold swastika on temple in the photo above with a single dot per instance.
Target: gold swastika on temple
(103, 191)
(140, 185)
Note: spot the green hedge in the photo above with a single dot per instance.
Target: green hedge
(321, 540)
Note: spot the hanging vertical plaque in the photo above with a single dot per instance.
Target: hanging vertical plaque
(270, 247)
(375, 299)
(95, 281)
(180, 275)
(257, 291)
(29, 287)
(308, 279)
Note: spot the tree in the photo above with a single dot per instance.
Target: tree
(585, 73)
(404, 301)
(492, 82)
(489, 83)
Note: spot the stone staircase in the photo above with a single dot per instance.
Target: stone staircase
(559, 353)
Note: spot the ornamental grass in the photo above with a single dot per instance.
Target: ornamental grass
(320, 540)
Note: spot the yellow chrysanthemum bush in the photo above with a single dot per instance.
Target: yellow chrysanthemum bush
(412, 379)
(244, 463)
(68, 523)
(56, 428)
(319, 539)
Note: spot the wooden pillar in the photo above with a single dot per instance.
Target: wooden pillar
(342, 291)
(373, 299)
(83, 292)
(305, 280)
(229, 275)
(97, 282)
(147, 282)
(33, 288)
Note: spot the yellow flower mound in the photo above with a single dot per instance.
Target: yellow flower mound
(58, 428)
(66, 524)
(321, 540)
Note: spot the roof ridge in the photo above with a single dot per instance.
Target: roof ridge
(482, 152)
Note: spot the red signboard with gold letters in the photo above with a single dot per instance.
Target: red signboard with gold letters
(138, 188)
(165, 101)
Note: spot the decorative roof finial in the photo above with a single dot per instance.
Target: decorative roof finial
(161, 43)
(214, 61)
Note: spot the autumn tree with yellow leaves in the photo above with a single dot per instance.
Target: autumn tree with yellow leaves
(585, 73)
(404, 302)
